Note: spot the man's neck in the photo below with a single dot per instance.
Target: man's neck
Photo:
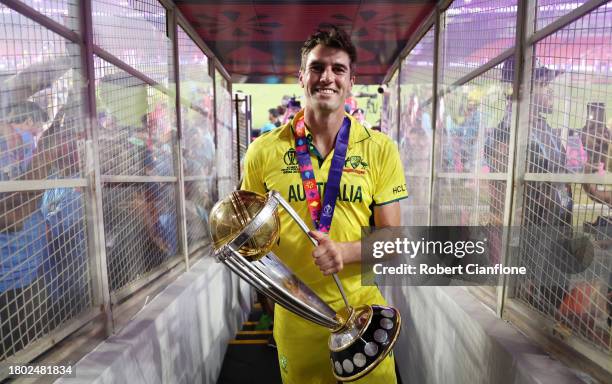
(324, 129)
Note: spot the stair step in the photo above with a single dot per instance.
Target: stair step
(249, 325)
(253, 335)
(248, 341)
(265, 332)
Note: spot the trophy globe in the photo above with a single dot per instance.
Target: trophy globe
(244, 226)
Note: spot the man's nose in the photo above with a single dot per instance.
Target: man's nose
(327, 75)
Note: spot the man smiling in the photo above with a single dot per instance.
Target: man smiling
(358, 180)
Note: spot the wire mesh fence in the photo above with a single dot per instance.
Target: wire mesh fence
(199, 199)
(59, 129)
(551, 142)
(416, 127)
(135, 31)
(198, 132)
(225, 133)
(45, 268)
(550, 10)
(140, 228)
(242, 109)
(389, 112)
(197, 104)
(473, 33)
(473, 135)
(65, 12)
(568, 219)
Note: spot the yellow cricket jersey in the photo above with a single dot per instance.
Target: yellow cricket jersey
(372, 175)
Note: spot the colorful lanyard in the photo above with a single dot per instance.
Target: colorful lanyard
(321, 215)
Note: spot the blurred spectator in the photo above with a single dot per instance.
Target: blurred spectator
(547, 217)
(360, 116)
(64, 213)
(468, 132)
(281, 112)
(22, 228)
(350, 104)
(123, 100)
(293, 107)
(138, 142)
(274, 121)
(198, 202)
(159, 197)
(596, 137)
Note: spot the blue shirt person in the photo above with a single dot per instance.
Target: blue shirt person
(63, 210)
(22, 229)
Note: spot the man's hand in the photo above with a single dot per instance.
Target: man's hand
(328, 256)
(331, 256)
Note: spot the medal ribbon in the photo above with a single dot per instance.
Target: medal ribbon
(321, 215)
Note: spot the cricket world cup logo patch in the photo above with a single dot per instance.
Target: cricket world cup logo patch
(327, 210)
(290, 158)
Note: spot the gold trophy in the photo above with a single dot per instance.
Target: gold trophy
(244, 226)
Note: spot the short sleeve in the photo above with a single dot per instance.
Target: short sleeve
(253, 178)
(390, 181)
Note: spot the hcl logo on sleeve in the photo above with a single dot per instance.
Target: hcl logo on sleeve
(399, 189)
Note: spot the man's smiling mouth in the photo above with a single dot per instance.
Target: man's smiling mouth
(326, 91)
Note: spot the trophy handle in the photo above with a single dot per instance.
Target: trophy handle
(294, 215)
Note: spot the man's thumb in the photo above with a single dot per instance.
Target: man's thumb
(318, 236)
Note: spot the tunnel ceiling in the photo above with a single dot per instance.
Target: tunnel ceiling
(259, 41)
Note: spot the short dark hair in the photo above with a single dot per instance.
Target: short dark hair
(333, 37)
(273, 112)
(541, 74)
(20, 112)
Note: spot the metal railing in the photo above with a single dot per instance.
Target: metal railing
(518, 135)
(112, 114)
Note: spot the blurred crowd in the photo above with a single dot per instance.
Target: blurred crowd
(44, 250)
(290, 105)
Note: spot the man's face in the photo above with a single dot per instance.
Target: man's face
(326, 79)
(543, 98)
(29, 126)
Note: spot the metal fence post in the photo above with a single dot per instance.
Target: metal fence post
(434, 113)
(97, 247)
(519, 137)
(178, 147)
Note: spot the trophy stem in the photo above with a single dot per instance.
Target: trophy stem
(341, 289)
(305, 229)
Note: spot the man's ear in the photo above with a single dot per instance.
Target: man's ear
(301, 78)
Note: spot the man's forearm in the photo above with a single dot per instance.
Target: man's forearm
(604, 197)
(351, 252)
